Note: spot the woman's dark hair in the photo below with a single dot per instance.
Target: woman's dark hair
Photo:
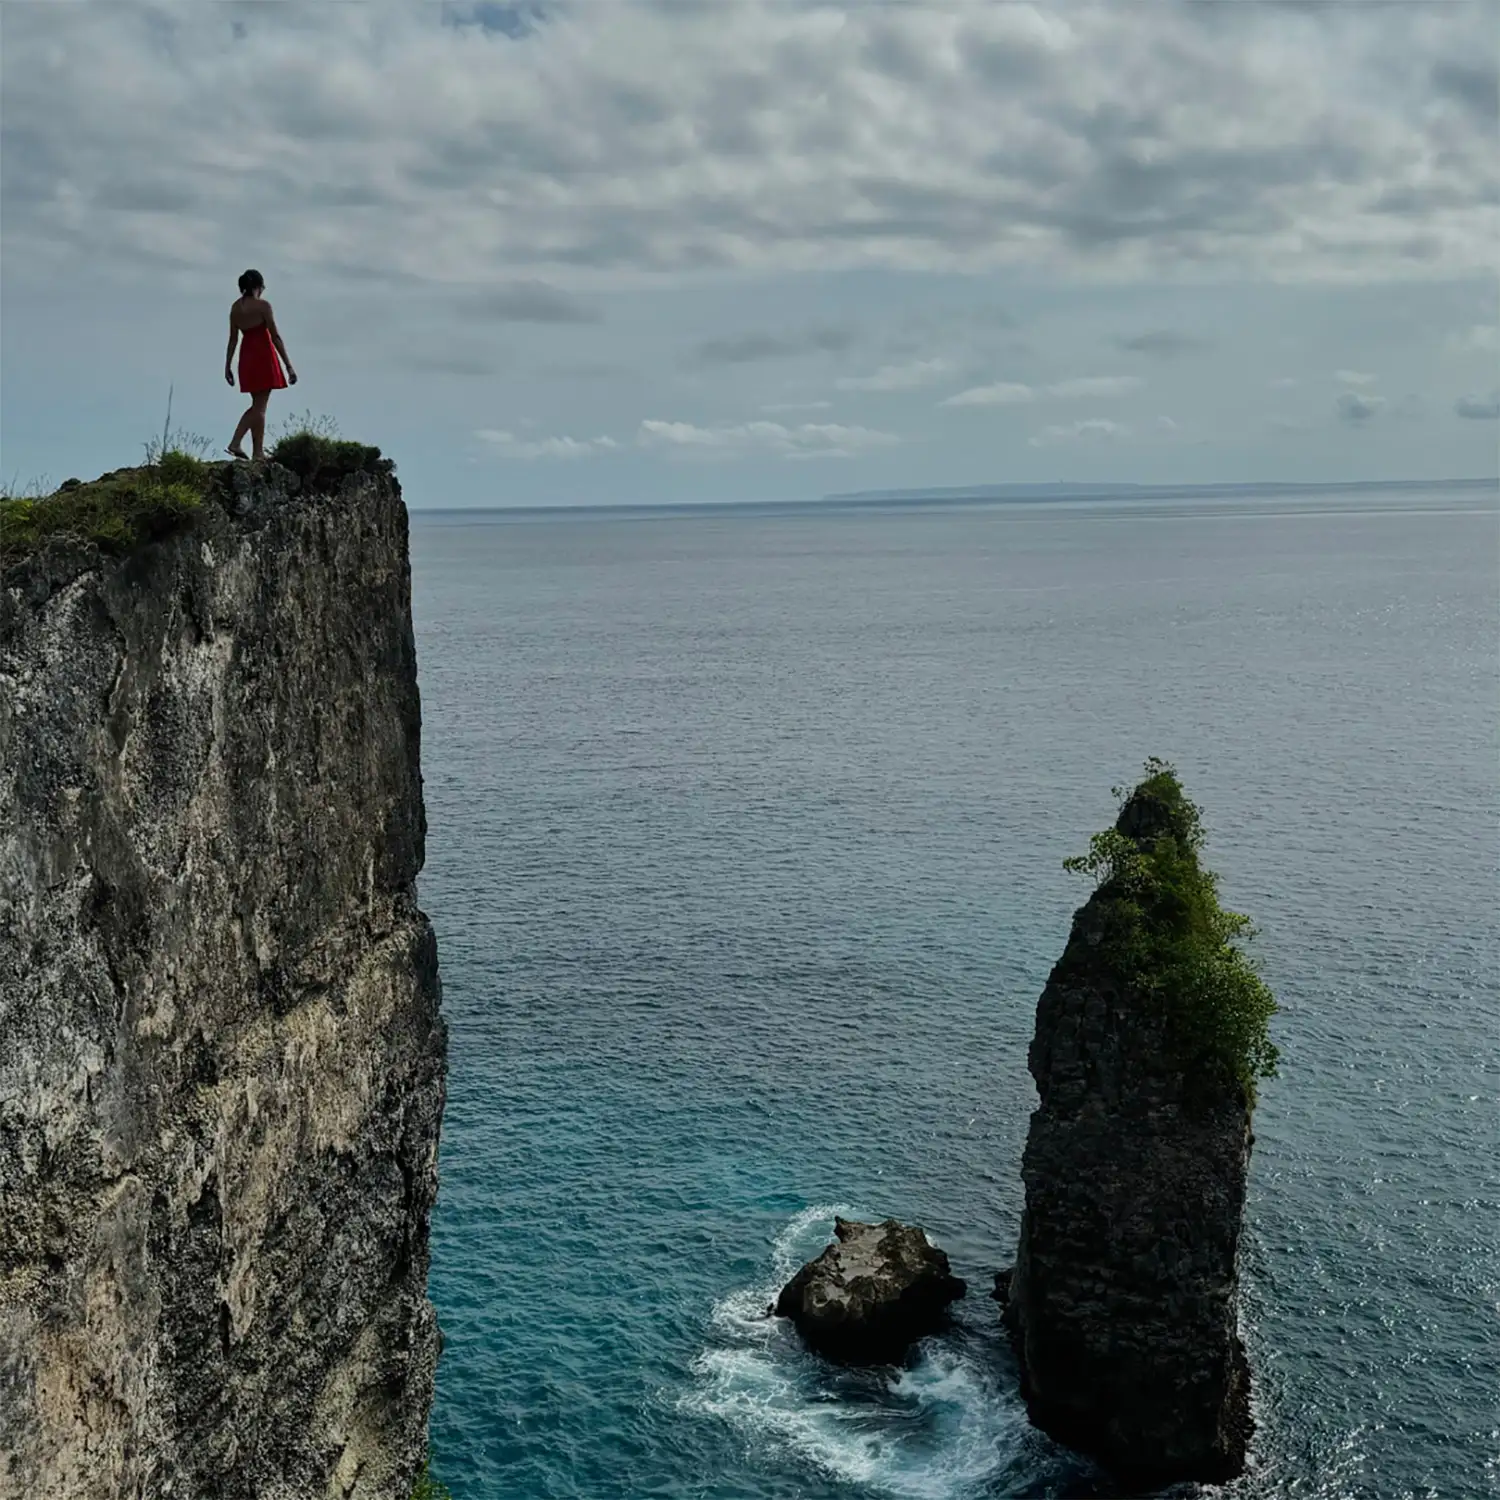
(250, 281)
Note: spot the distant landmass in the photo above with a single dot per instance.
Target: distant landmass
(1063, 489)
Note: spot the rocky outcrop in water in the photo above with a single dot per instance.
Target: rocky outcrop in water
(221, 1056)
(871, 1294)
(1122, 1304)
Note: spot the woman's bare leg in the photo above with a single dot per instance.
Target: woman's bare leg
(240, 431)
(257, 415)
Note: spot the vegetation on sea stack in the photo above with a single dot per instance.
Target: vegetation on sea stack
(1170, 939)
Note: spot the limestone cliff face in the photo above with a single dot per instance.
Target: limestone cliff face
(221, 1057)
(1123, 1302)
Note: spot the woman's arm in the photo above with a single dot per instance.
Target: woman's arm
(291, 374)
(234, 335)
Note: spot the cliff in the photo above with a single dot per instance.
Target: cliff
(1149, 1035)
(221, 1058)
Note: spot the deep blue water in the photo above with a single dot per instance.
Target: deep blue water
(745, 857)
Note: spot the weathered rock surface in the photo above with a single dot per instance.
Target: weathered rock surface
(871, 1294)
(221, 1056)
(1123, 1302)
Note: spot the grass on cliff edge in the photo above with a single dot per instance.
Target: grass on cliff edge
(127, 507)
(1170, 937)
(312, 449)
(118, 511)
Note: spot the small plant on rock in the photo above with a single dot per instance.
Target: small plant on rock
(312, 449)
(428, 1488)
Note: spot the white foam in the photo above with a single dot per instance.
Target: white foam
(946, 1428)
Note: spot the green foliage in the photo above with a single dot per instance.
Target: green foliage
(1170, 937)
(181, 458)
(311, 448)
(123, 509)
(180, 445)
(117, 511)
(428, 1488)
(1112, 860)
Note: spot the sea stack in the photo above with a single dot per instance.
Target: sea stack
(871, 1294)
(1150, 1033)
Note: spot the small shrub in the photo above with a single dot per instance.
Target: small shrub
(179, 444)
(428, 1488)
(176, 467)
(311, 457)
(311, 448)
(1170, 937)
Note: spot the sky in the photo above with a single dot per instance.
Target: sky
(644, 251)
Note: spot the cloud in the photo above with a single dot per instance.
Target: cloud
(1478, 338)
(1005, 393)
(508, 445)
(1283, 382)
(1166, 424)
(526, 302)
(751, 347)
(510, 20)
(582, 142)
(1163, 343)
(1479, 408)
(454, 362)
(956, 326)
(1097, 385)
(786, 406)
(810, 440)
(586, 369)
(1474, 85)
(1354, 377)
(1090, 430)
(908, 377)
(1356, 409)
(1010, 394)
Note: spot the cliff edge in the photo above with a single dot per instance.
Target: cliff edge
(221, 1057)
(1150, 1034)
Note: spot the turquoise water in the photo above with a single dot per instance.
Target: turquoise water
(744, 855)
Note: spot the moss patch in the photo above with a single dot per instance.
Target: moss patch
(1170, 939)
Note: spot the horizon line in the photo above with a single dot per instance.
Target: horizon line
(1022, 491)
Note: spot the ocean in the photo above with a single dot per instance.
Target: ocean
(745, 844)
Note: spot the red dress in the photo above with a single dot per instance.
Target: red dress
(260, 370)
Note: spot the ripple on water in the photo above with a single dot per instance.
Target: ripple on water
(780, 944)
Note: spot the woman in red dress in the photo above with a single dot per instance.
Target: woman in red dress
(251, 318)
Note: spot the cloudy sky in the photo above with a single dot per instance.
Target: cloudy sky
(602, 252)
